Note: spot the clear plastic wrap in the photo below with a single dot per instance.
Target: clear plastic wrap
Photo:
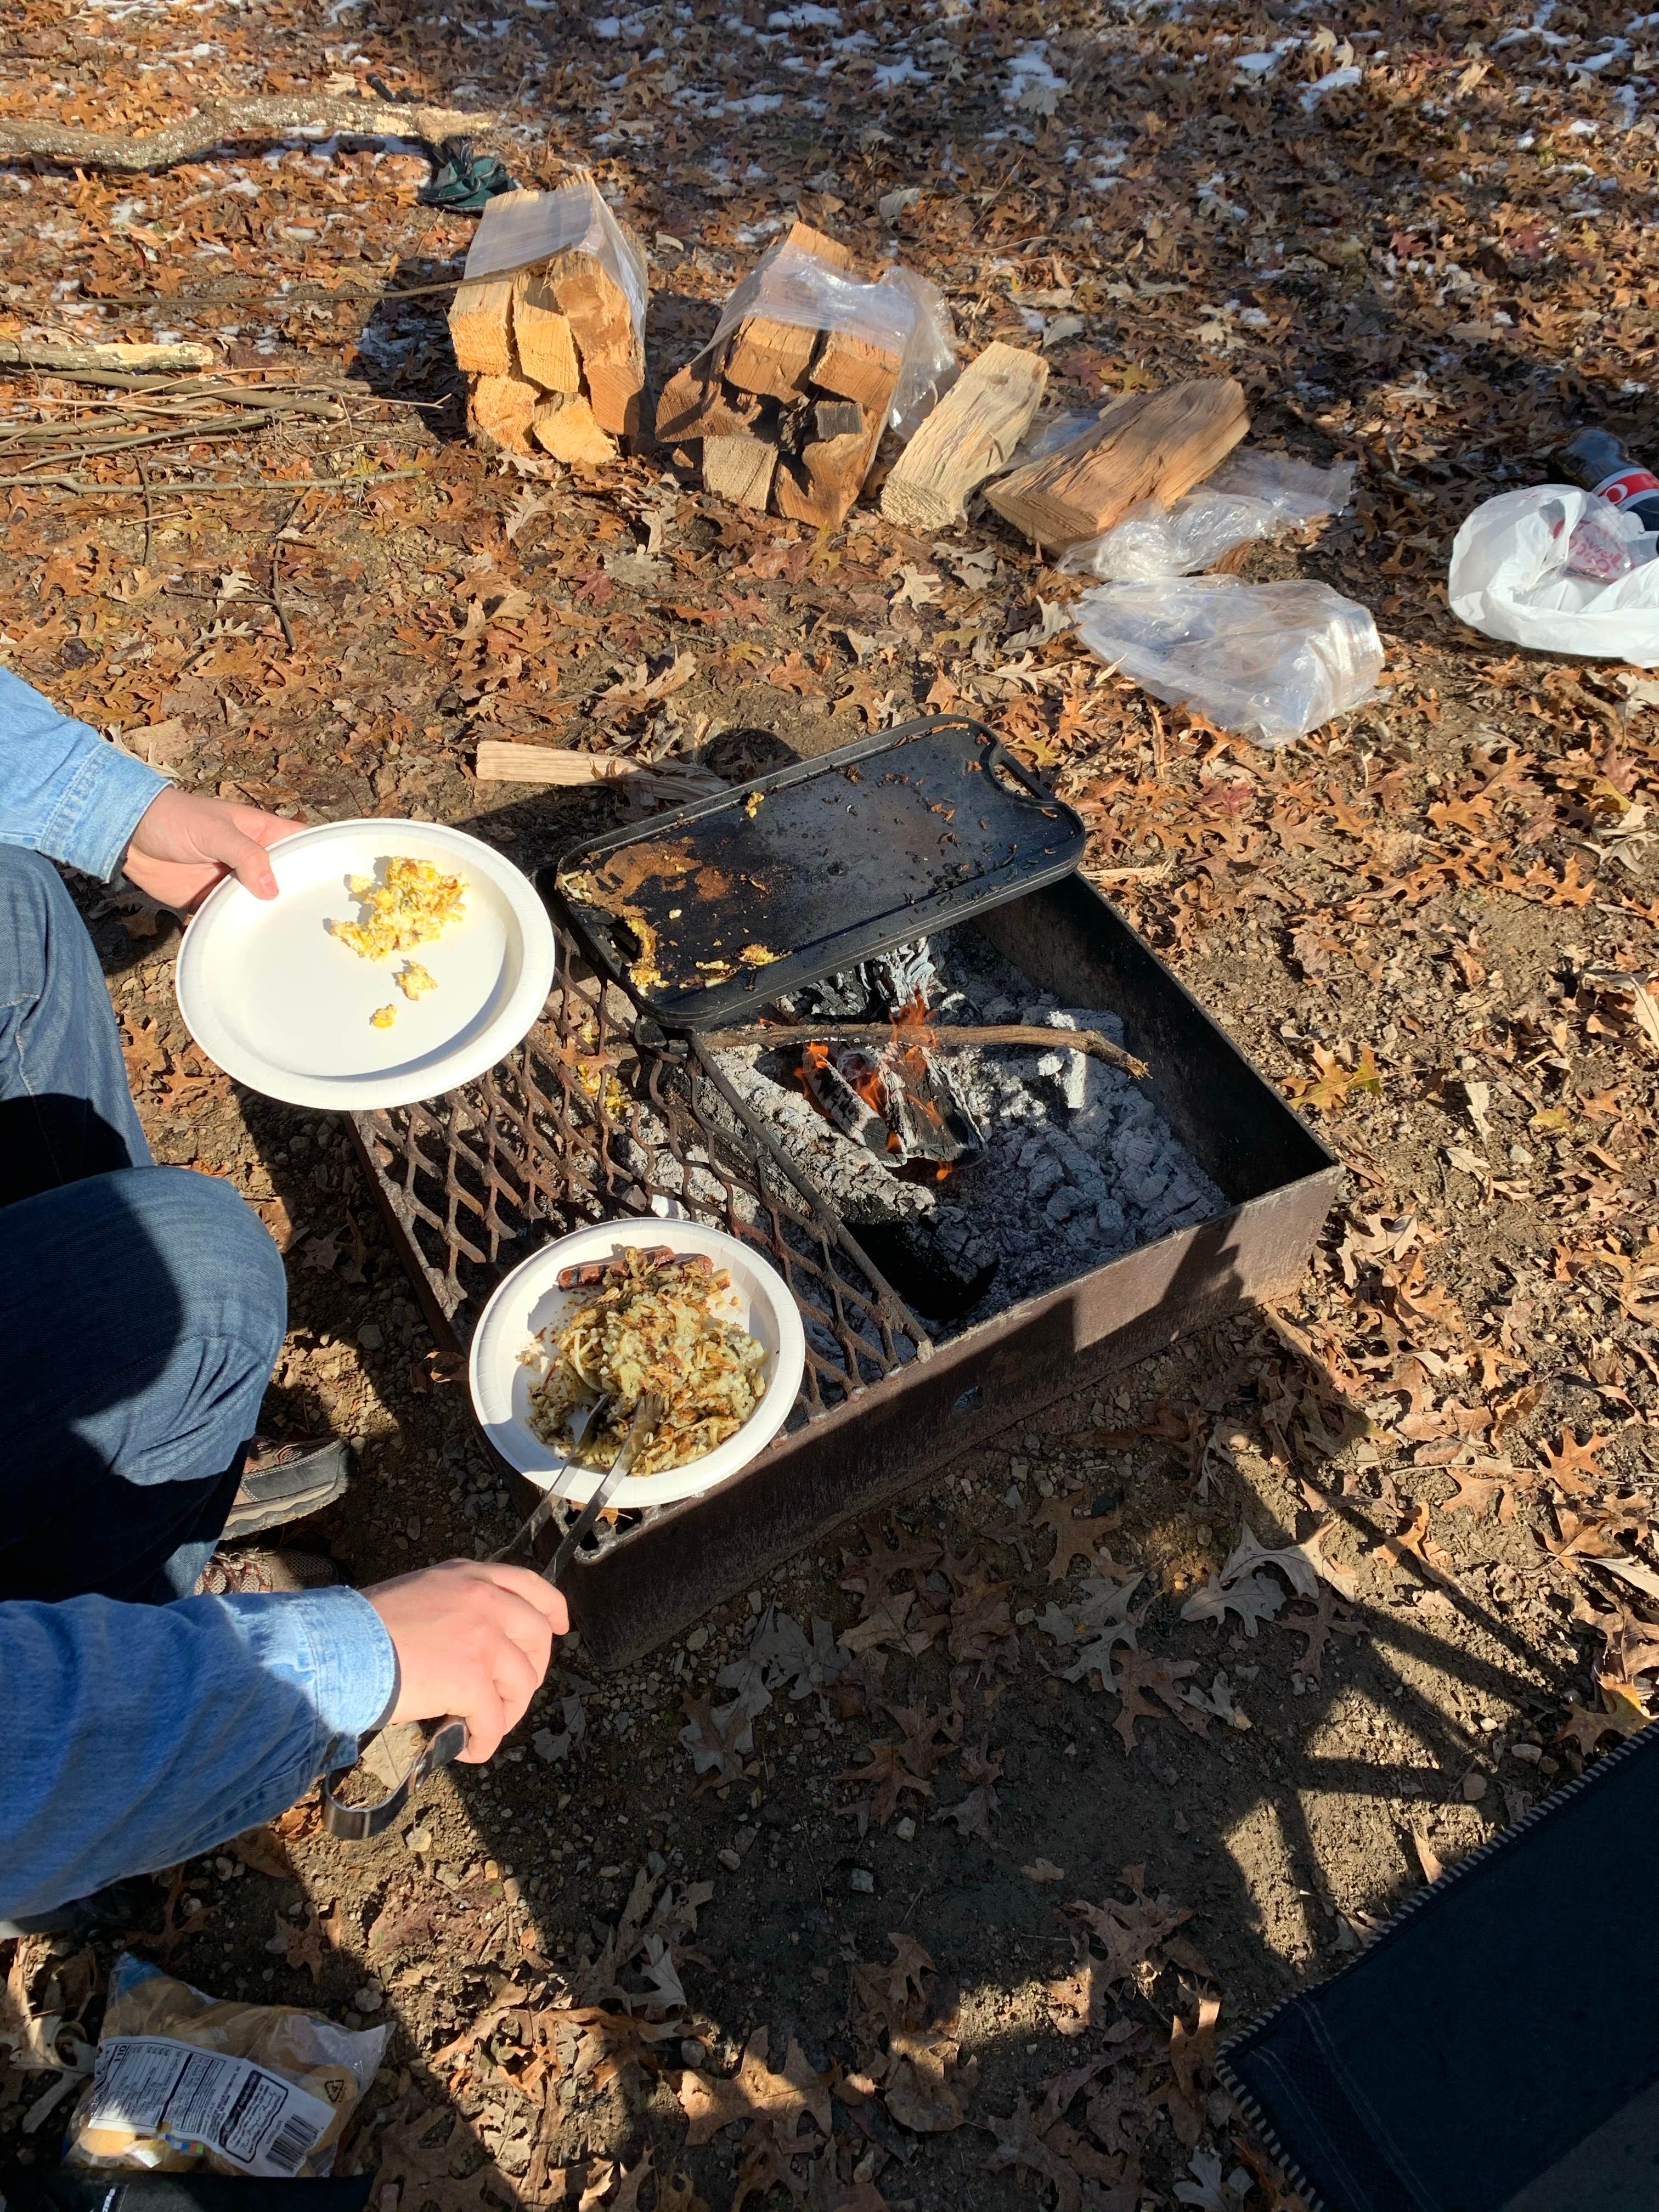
(1272, 661)
(183, 2080)
(520, 230)
(900, 311)
(1253, 495)
(1518, 572)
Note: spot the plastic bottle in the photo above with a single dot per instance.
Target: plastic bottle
(1605, 466)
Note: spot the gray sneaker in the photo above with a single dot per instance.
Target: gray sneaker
(284, 1482)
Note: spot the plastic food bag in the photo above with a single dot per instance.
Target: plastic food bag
(183, 2081)
(1252, 495)
(901, 311)
(522, 234)
(1516, 575)
(1270, 660)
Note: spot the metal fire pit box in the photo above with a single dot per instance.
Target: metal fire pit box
(579, 1126)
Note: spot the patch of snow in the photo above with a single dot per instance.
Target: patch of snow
(1336, 80)
(892, 76)
(1033, 87)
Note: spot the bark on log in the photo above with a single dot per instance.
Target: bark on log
(234, 121)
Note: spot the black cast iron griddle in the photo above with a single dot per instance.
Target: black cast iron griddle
(709, 913)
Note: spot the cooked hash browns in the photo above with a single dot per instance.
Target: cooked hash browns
(649, 1327)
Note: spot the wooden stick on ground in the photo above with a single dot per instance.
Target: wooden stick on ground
(949, 1038)
(1146, 445)
(499, 762)
(241, 122)
(21, 354)
(969, 436)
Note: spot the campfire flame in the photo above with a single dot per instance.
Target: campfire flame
(914, 1040)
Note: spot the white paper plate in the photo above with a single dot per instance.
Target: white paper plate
(530, 1299)
(284, 1007)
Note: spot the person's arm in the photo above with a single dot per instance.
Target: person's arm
(64, 791)
(135, 1736)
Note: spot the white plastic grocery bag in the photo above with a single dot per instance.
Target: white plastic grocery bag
(1510, 578)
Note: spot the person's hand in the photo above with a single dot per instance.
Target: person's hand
(184, 843)
(471, 1639)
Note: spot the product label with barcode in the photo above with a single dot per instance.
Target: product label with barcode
(250, 2117)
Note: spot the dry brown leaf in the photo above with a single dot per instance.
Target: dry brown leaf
(1077, 1533)
(711, 2103)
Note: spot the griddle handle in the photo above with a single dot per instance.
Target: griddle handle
(360, 1824)
(997, 755)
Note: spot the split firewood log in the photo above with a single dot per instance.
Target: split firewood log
(1146, 445)
(970, 435)
(788, 412)
(553, 303)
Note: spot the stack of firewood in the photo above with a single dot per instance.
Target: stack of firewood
(551, 345)
(788, 414)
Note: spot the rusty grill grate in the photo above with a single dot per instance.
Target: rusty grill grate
(580, 1125)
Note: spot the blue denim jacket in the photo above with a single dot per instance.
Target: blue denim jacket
(64, 791)
(132, 1736)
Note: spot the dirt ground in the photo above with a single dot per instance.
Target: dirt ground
(992, 1921)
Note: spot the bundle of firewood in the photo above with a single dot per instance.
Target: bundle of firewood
(789, 412)
(550, 325)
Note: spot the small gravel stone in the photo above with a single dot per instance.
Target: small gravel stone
(693, 2052)
(1474, 1787)
(905, 1830)
(729, 1859)
(370, 1336)
(862, 1880)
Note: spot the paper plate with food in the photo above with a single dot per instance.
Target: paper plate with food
(398, 960)
(604, 1316)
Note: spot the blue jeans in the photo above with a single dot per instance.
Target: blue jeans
(141, 1307)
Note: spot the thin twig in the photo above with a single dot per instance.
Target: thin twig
(149, 513)
(952, 1037)
(88, 484)
(300, 295)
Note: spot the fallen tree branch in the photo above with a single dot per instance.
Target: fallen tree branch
(120, 361)
(950, 1037)
(192, 484)
(242, 122)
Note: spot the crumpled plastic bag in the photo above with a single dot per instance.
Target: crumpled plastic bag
(1509, 577)
(901, 311)
(1271, 661)
(183, 2080)
(527, 232)
(1251, 496)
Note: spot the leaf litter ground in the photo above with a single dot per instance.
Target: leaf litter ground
(932, 1873)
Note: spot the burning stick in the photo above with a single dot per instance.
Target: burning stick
(761, 1034)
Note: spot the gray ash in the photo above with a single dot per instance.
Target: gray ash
(1078, 1168)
